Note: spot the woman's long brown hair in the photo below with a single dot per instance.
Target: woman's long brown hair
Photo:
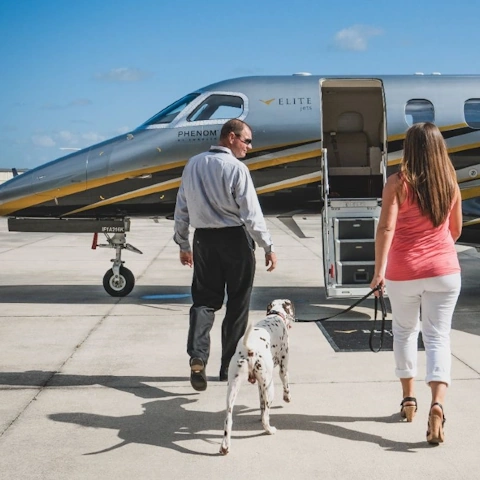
(427, 168)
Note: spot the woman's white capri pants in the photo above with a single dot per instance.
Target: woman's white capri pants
(435, 298)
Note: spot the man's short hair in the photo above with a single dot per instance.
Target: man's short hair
(236, 126)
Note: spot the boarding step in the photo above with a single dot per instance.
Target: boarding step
(355, 250)
(349, 245)
(354, 273)
(354, 228)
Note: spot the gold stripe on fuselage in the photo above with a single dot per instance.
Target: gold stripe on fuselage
(48, 195)
(459, 148)
(469, 192)
(446, 128)
(159, 187)
(39, 198)
(469, 223)
(259, 162)
(253, 164)
(290, 183)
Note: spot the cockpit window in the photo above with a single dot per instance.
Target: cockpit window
(168, 114)
(218, 107)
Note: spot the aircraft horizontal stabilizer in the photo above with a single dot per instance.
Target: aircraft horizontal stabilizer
(292, 225)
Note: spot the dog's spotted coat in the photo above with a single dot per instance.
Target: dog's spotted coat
(259, 351)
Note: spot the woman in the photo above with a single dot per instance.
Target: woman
(415, 258)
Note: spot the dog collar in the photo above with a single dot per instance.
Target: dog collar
(280, 314)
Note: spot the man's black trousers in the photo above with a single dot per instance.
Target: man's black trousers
(223, 262)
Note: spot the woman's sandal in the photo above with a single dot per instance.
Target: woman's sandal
(408, 411)
(436, 422)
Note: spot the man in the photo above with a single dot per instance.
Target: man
(218, 199)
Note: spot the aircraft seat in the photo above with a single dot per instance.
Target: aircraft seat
(348, 145)
(375, 157)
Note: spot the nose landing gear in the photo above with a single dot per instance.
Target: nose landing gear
(119, 280)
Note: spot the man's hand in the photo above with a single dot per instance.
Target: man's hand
(186, 258)
(270, 261)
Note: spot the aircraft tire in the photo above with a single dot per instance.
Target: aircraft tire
(123, 286)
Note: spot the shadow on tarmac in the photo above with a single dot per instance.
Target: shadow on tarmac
(310, 302)
(168, 424)
(137, 386)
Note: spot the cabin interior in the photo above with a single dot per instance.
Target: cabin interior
(354, 134)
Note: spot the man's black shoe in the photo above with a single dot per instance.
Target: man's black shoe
(223, 374)
(198, 375)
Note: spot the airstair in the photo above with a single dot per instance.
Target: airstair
(349, 227)
(353, 174)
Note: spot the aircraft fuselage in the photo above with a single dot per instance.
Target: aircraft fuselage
(138, 173)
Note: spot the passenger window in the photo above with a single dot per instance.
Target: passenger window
(419, 110)
(471, 110)
(218, 107)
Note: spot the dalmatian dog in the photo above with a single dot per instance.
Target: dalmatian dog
(259, 351)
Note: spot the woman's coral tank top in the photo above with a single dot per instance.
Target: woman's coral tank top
(420, 250)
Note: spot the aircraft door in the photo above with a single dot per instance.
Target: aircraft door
(353, 134)
(325, 220)
(325, 184)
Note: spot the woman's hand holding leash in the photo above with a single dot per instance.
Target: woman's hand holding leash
(378, 284)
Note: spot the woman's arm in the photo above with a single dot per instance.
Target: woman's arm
(455, 218)
(386, 228)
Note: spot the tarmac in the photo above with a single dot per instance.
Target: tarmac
(97, 387)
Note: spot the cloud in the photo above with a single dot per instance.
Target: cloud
(51, 106)
(123, 74)
(91, 137)
(122, 130)
(43, 141)
(355, 38)
(79, 102)
(81, 121)
(245, 71)
(67, 139)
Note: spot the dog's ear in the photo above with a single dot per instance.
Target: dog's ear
(288, 307)
(269, 307)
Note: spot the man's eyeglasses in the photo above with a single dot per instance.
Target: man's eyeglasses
(247, 141)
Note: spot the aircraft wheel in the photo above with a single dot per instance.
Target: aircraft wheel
(121, 286)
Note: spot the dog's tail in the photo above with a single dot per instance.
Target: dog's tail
(248, 348)
(250, 354)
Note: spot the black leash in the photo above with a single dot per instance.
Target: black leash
(380, 299)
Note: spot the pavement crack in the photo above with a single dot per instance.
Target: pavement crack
(48, 380)
(466, 364)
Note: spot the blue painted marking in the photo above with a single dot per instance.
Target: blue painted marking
(167, 296)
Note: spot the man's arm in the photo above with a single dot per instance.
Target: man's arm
(182, 221)
(252, 215)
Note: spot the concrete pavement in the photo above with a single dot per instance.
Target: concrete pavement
(97, 387)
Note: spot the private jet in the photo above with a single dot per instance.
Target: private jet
(323, 145)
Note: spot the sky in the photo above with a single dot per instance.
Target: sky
(74, 73)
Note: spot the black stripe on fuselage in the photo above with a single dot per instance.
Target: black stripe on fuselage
(159, 202)
(397, 145)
